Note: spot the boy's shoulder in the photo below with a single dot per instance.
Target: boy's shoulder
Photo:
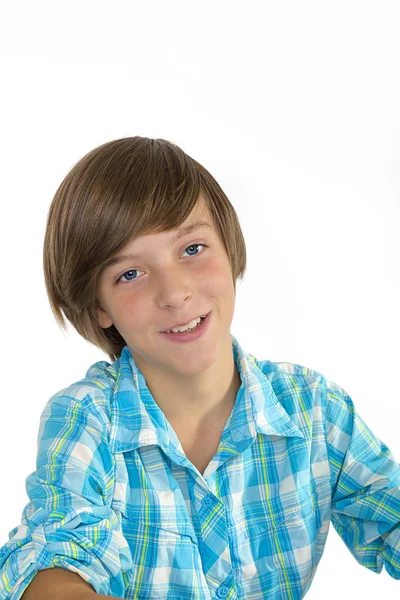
(93, 392)
(301, 372)
(286, 368)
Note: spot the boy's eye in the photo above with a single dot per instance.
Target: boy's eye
(130, 273)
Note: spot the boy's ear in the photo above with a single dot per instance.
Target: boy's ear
(102, 318)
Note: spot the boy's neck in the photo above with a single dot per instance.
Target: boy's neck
(192, 403)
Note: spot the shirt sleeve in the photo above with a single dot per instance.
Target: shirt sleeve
(365, 480)
(69, 522)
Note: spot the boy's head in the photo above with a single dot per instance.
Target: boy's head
(116, 194)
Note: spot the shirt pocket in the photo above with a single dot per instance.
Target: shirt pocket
(270, 515)
(163, 547)
(160, 511)
(277, 537)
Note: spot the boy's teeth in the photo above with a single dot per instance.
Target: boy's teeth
(190, 325)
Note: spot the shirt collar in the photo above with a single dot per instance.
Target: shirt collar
(137, 420)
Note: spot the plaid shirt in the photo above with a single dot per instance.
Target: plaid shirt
(115, 499)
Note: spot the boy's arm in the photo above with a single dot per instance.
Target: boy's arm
(70, 522)
(50, 584)
(365, 481)
(60, 584)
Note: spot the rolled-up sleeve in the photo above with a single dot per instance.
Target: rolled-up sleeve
(365, 479)
(69, 521)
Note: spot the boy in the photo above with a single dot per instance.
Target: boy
(185, 468)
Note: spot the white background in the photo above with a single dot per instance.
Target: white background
(294, 108)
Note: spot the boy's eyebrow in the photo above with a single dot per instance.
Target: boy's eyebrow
(182, 232)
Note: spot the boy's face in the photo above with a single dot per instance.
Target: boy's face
(170, 284)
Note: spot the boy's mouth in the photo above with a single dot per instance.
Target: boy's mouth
(185, 325)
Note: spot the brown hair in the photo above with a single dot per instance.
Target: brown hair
(120, 190)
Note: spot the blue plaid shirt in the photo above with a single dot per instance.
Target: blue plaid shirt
(115, 499)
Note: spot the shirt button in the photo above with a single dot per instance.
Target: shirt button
(207, 501)
(222, 592)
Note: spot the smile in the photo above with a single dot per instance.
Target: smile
(192, 322)
(190, 335)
